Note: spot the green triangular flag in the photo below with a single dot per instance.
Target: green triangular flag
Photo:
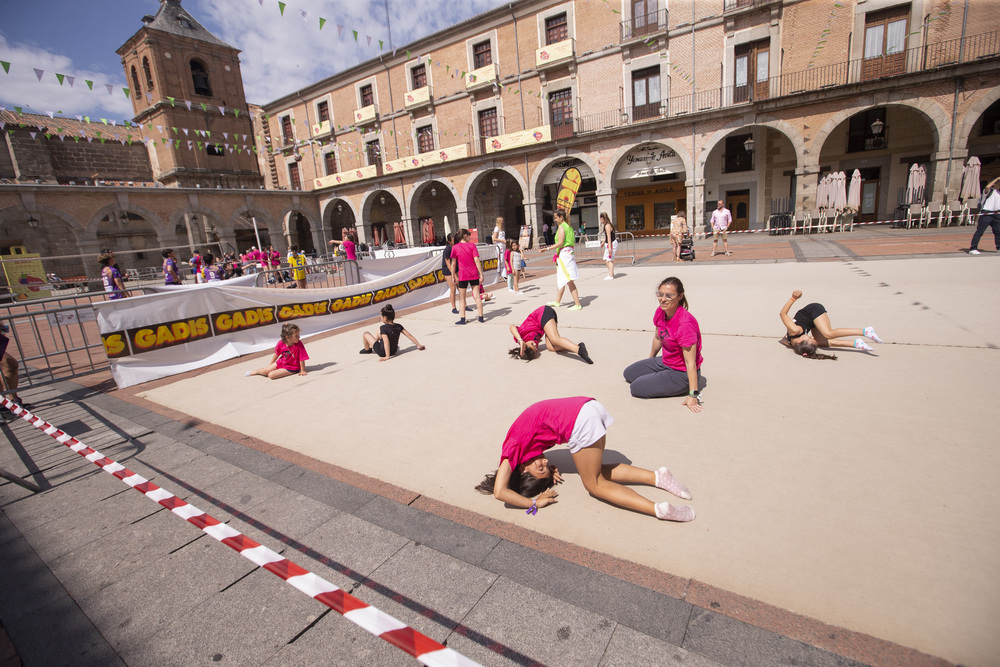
(171, 99)
(18, 110)
(174, 129)
(281, 8)
(6, 66)
(177, 143)
(199, 145)
(208, 133)
(237, 112)
(60, 77)
(127, 92)
(380, 45)
(355, 35)
(48, 136)
(204, 107)
(407, 55)
(90, 84)
(321, 22)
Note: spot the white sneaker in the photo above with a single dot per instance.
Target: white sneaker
(609, 277)
(973, 252)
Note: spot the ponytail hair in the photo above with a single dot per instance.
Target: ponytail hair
(287, 330)
(529, 353)
(521, 482)
(679, 286)
(388, 312)
(807, 349)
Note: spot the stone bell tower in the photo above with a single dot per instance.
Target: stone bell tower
(186, 84)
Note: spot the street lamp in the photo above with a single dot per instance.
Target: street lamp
(749, 144)
(877, 127)
(495, 181)
(434, 191)
(382, 200)
(32, 222)
(340, 207)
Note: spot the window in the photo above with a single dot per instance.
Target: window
(293, 176)
(330, 162)
(135, 84)
(373, 152)
(214, 149)
(482, 54)
(752, 76)
(556, 28)
(199, 76)
(488, 126)
(861, 136)
(635, 218)
(885, 42)
(286, 129)
(561, 113)
(323, 111)
(645, 93)
(147, 72)
(643, 17)
(425, 139)
(419, 75)
(367, 96)
(737, 157)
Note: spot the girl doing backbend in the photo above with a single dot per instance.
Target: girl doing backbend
(543, 322)
(525, 478)
(810, 328)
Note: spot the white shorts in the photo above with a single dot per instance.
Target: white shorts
(566, 267)
(591, 425)
(610, 250)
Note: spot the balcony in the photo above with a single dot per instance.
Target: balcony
(322, 128)
(927, 58)
(506, 142)
(483, 76)
(554, 55)
(418, 98)
(366, 115)
(344, 177)
(643, 27)
(733, 5)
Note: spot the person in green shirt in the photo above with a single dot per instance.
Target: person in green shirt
(566, 271)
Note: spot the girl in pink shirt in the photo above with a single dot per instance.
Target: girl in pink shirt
(543, 322)
(581, 424)
(289, 356)
(678, 370)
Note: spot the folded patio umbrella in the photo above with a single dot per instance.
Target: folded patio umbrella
(854, 193)
(971, 188)
(840, 190)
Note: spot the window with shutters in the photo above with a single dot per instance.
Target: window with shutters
(294, 180)
(556, 28)
(561, 113)
(286, 129)
(330, 162)
(885, 42)
(645, 93)
(425, 139)
(752, 71)
(323, 111)
(367, 96)
(482, 54)
(419, 75)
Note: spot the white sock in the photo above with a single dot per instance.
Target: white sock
(669, 483)
(668, 512)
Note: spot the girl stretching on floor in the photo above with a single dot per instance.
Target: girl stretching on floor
(813, 319)
(289, 356)
(543, 322)
(388, 336)
(581, 424)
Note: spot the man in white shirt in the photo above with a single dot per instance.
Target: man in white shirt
(500, 241)
(721, 219)
(989, 216)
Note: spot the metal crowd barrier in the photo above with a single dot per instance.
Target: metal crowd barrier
(589, 247)
(337, 272)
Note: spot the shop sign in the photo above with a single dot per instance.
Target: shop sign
(650, 160)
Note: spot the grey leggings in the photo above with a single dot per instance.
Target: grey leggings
(651, 378)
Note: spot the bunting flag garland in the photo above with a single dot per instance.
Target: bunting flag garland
(39, 73)
(5, 65)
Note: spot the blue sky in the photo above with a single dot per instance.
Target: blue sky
(281, 53)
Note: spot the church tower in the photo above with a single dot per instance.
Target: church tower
(186, 83)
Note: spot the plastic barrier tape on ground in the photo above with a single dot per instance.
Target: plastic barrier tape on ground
(421, 647)
(784, 231)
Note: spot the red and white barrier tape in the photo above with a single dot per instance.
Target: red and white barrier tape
(400, 635)
(783, 231)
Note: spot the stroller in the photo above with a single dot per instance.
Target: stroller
(687, 248)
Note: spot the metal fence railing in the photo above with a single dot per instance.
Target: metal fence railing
(589, 247)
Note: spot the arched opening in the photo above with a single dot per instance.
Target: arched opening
(584, 212)
(984, 144)
(199, 77)
(433, 206)
(649, 179)
(301, 232)
(136, 91)
(147, 72)
(342, 220)
(385, 220)
(129, 236)
(47, 234)
(497, 194)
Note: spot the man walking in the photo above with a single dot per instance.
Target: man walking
(721, 219)
(989, 216)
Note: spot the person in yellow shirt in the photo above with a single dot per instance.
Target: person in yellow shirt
(297, 260)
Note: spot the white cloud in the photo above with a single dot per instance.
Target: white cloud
(281, 54)
(21, 87)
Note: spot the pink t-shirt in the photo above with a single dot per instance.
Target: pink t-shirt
(290, 358)
(541, 426)
(274, 258)
(349, 250)
(465, 254)
(721, 217)
(678, 332)
(531, 330)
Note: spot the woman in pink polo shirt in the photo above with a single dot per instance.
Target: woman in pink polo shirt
(677, 341)
(525, 478)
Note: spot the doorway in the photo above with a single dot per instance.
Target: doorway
(738, 203)
(870, 181)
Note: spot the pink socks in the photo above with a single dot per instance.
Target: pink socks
(667, 482)
(668, 512)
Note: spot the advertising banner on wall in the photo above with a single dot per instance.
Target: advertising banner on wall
(158, 335)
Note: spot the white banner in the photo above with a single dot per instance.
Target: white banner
(158, 335)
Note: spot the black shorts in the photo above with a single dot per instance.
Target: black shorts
(548, 314)
(469, 283)
(378, 348)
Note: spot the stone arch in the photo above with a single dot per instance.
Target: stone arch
(177, 217)
(972, 116)
(368, 200)
(112, 209)
(558, 156)
(16, 215)
(422, 183)
(327, 204)
(243, 211)
(937, 117)
(473, 180)
(609, 183)
(780, 126)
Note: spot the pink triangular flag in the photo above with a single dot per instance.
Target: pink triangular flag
(149, 97)
(225, 135)
(369, 37)
(52, 114)
(340, 32)
(111, 89)
(186, 131)
(159, 128)
(90, 140)
(222, 110)
(70, 80)
(39, 73)
(188, 103)
(305, 15)
(32, 134)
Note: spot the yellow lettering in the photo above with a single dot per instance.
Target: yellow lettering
(114, 345)
(163, 335)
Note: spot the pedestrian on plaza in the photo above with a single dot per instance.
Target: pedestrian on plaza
(525, 478)
(297, 260)
(500, 241)
(214, 272)
(546, 235)
(450, 271)
(470, 272)
(289, 356)
(541, 322)
(813, 319)
(171, 276)
(504, 259)
(515, 260)
(111, 278)
(609, 239)
(678, 228)
(349, 244)
(197, 264)
(677, 341)
(989, 216)
(272, 258)
(721, 219)
(109, 251)
(566, 271)
(388, 336)
(8, 374)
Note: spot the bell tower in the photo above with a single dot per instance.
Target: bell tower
(186, 84)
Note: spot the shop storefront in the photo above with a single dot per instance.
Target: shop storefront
(650, 189)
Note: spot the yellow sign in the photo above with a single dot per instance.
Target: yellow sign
(568, 187)
(25, 274)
